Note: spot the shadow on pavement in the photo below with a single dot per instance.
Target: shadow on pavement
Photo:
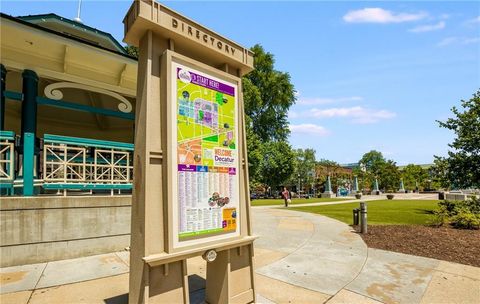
(121, 299)
(196, 285)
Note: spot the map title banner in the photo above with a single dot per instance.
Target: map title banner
(190, 77)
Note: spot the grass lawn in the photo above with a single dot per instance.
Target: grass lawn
(295, 201)
(383, 212)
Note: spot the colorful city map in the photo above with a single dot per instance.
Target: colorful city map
(207, 159)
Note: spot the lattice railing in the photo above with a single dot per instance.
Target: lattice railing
(7, 158)
(72, 160)
(64, 163)
(112, 166)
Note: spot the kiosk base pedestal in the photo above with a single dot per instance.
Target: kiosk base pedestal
(168, 283)
(230, 277)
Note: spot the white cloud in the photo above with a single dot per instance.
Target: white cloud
(447, 41)
(471, 40)
(444, 16)
(428, 28)
(322, 100)
(379, 15)
(358, 114)
(458, 40)
(474, 20)
(311, 129)
(293, 114)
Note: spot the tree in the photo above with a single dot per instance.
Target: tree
(268, 94)
(439, 173)
(304, 167)
(255, 155)
(372, 161)
(370, 164)
(132, 50)
(463, 162)
(276, 165)
(389, 176)
(413, 176)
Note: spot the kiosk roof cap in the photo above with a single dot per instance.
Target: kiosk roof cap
(190, 38)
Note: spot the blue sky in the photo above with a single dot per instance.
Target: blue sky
(369, 75)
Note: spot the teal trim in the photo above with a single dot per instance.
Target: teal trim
(13, 95)
(87, 186)
(7, 135)
(59, 139)
(29, 128)
(6, 185)
(88, 160)
(79, 107)
(28, 163)
(6, 189)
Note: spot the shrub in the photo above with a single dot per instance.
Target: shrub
(473, 205)
(439, 219)
(460, 214)
(466, 220)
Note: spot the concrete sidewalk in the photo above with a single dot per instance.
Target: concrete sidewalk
(300, 258)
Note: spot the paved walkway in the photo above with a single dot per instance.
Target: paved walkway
(300, 258)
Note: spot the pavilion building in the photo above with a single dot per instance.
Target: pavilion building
(66, 140)
(67, 108)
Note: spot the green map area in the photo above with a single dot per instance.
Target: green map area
(205, 120)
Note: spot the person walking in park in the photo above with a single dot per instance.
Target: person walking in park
(286, 196)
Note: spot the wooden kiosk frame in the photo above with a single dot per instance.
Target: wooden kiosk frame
(158, 268)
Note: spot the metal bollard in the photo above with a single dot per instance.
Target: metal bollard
(356, 212)
(363, 217)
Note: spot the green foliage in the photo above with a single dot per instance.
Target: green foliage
(439, 172)
(389, 176)
(254, 148)
(132, 50)
(268, 94)
(304, 167)
(466, 220)
(372, 162)
(413, 176)
(460, 214)
(374, 165)
(277, 163)
(463, 162)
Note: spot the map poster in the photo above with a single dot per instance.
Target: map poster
(207, 187)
